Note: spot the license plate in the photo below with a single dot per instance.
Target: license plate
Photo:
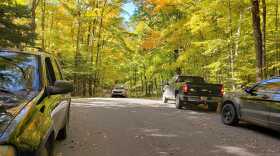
(194, 98)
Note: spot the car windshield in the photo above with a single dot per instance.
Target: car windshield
(19, 74)
(119, 87)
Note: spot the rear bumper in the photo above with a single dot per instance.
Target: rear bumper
(200, 99)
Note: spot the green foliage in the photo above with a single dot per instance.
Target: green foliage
(214, 39)
(97, 49)
(14, 25)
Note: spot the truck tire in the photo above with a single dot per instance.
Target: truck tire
(178, 103)
(212, 107)
(229, 115)
(50, 146)
(47, 149)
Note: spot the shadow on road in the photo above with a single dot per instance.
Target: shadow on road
(199, 108)
(261, 130)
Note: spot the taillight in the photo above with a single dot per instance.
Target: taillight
(222, 91)
(185, 88)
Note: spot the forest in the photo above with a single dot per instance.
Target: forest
(233, 42)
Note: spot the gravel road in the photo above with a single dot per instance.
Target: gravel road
(139, 127)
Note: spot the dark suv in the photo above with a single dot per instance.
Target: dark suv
(34, 103)
(259, 104)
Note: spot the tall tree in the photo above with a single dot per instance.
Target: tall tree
(277, 42)
(264, 37)
(258, 38)
(43, 17)
(231, 44)
(34, 6)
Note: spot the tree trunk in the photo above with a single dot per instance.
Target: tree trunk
(277, 54)
(33, 15)
(84, 83)
(77, 54)
(51, 29)
(92, 31)
(176, 56)
(43, 9)
(258, 38)
(231, 51)
(264, 38)
(237, 41)
(99, 44)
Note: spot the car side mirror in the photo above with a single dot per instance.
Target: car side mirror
(60, 87)
(247, 90)
(250, 91)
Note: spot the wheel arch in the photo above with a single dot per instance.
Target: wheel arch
(235, 106)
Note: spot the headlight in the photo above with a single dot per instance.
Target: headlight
(6, 150)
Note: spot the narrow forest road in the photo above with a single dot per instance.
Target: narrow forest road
(138, 127)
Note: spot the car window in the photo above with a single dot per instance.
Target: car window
(19, 73)
(119, 87)
(57, 72)
(273, 85)
(50, 71)
(268, 86)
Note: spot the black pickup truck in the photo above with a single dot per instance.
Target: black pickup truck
(192, 90)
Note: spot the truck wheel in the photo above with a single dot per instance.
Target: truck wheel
(44, 152)
(164, 99)
(229, 115)
(212, 107)
(48, 148)
(178, 102)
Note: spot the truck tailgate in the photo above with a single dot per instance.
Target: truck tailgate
(205, 90)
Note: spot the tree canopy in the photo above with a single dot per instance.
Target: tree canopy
(15, 30)
(224, 41)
